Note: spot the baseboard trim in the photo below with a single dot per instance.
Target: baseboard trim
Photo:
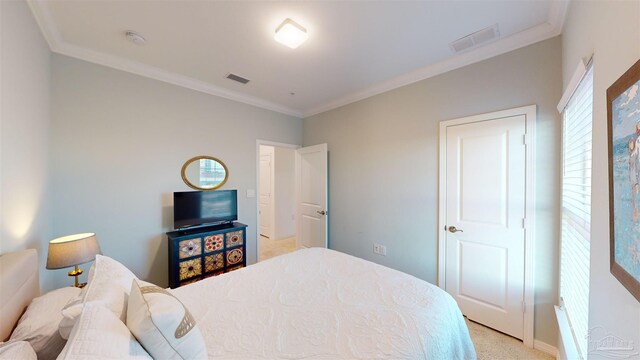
(545, 348)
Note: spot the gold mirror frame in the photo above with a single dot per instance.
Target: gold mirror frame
(198, 158)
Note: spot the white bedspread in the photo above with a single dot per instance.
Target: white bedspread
(323, 304)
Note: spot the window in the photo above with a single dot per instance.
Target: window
(576, 209)
(211, 173)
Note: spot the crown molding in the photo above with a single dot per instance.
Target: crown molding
(558, 14)
(152, 72)
(551, 28)
(50, 32)
(47, 26)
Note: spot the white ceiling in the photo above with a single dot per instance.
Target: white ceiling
(355, 49)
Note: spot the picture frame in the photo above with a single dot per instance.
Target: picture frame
(623, 127)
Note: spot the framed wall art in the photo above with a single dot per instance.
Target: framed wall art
(623, 112)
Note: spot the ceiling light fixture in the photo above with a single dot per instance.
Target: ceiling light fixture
(291, 34)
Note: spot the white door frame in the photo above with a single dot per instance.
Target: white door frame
(257, 204)
(530, 139)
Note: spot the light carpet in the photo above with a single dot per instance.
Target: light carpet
(272, 248)
(494, 345)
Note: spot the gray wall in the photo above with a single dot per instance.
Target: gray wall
(383, 155)
(611, 32)
(118, 143)
(25, 194)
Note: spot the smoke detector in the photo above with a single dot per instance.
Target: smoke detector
(475, 39)
(134, 37)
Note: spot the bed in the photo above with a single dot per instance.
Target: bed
(309, 304)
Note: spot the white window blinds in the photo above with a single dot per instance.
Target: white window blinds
(576, 209)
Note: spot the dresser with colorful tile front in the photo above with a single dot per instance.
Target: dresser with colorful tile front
(195, 254)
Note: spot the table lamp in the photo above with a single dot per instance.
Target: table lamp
(72, 250)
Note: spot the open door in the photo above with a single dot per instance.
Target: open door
(312, 195)
(266, 192)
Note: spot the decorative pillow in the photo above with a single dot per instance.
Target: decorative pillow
(109, 282)
(39, 324)
(12, 350)
(162, 324)
(109, 295)
(99, 334)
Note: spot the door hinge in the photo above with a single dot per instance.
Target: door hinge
(524, 223)
(524, 139)
(524, 307)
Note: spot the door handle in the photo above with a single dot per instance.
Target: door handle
(452, 229)
(322, 212)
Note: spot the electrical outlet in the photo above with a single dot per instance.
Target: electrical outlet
(380, 249)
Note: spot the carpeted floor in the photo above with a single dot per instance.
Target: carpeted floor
(493, 345)
(272, 248)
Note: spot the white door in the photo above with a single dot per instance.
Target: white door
(266, 191)
(485, 210)
(311, 186)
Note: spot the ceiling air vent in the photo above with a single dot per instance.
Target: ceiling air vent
(475, 39)
(237, 78)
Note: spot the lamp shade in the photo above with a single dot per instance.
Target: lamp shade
(72, 250)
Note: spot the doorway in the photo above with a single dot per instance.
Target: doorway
(486, 218)
(276, 200)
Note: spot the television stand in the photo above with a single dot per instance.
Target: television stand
(204, 228)
(201, 252)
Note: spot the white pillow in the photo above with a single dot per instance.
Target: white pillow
(39, 324)
(109, 282)
(12, 350)
(72, 310)
(99, 334)
(108, 270)
(162, 324)
(70, 313)
(109, 295)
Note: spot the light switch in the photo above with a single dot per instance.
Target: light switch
(251, 193)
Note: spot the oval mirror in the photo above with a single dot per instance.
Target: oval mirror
(204, 173)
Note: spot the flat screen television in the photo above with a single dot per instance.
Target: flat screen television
(199, 208)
